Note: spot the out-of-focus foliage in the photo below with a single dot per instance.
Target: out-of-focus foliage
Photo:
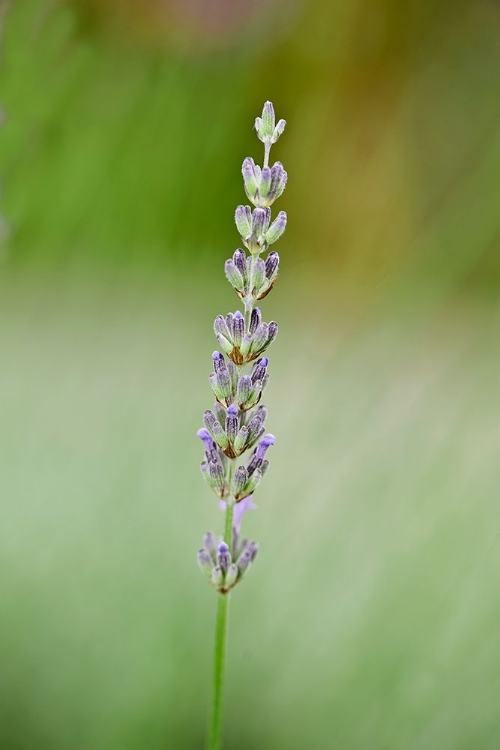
(126, 126)
(370, 620)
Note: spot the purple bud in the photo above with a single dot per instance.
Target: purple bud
(239, 259)
(209, 419)
(255, 319)
(229, 323)
(262, 412)
(238, 328)
(220, 327)
(259, 453)
(239, 481)
(272, 331)
(260, 337)
(210, 544)
(218, 360)
(217, 474)
(224, 384)
(223, 557)
(258, 221)
(259, 369)
(265, 182)
(272, 263)
(232, 423)
(244, 389)
(255, 430)
(205, 562)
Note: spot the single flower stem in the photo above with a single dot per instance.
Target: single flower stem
(215, 737)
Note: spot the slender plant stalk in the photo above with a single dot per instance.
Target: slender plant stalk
(236, 424)
(215, 736)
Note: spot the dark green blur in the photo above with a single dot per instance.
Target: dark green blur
(370, 619)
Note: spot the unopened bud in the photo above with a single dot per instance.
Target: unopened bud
(276, 229)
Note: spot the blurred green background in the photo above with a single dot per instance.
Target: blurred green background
(371, 620)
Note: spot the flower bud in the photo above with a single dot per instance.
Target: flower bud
(240, 479)
(216, 474)
(272, 332)
(205, 562)
(224, 343)
(233, 275)
(223, 557)
(220, 327)
(243, 390)
(276, 229)
(233, 375)
(268, 120)
(239, 259)
(241, 439)
(220, 436)
(231, 576)
(247, 557)
(279, 179)
(260, 337)
(223, 382)
(259, 216)
(255, 430)
(251, 177)
(278, 130)
(232, 422)
(259, 369)
(210, 544)
(255, 319)
(259, 275)
(218, 360)
(253, 481)
(272, 264)
(246, 344)
(242, 218)
(217, 576)
(238, 328)
(265, 182)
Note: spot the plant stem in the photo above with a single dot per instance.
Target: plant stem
(215, 737)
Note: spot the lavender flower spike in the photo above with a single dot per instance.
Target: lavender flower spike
(234, 439)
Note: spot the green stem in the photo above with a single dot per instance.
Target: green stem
(215, 739)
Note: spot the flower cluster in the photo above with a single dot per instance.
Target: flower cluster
(222, 569)
(235, 425)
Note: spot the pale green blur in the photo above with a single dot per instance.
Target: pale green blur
(370, 619)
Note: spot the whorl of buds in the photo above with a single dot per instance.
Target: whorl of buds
(253, 278)
(221, 568)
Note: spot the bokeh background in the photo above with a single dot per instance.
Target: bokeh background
(371, 620)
